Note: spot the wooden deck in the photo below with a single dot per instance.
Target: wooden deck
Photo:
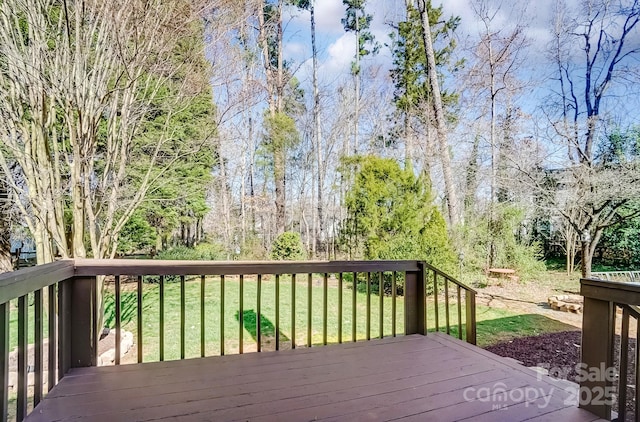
(412, 378)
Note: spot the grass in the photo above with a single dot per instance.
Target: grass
(493, 325)
(212, 323)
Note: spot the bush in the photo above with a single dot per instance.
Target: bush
(202, 252)
(288, 246)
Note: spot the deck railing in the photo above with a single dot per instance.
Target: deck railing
(182, 309)
(629, 276)
(610, 373)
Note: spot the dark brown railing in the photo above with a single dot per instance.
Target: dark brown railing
(610, 373)
(62, 302)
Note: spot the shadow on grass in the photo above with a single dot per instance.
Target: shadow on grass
(503, 329)
(267, 329)
(128, 307)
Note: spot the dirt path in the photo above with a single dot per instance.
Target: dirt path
(531, 297)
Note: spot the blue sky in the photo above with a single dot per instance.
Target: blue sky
(337, 48)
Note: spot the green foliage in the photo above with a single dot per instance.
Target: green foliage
(391, 216)
(409, 73)
(356, 20)
(136, 235)
(201, 252)
(620, 245)
(280, 132)
(288, 246)
(513, 249)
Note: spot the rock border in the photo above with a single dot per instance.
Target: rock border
(566, 303)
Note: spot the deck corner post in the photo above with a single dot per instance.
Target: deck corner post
(415, 301)
(598, 324)
(470, 310)
(82, 321)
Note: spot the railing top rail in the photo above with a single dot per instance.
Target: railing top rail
(19, 283)
(135, 267)
(613, 291)
(448, 277)
(613, 272)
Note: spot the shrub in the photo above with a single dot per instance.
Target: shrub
(288, 246)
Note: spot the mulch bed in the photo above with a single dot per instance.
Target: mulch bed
(557, 352)
(560, 353)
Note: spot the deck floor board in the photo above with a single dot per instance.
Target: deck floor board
(412, 378)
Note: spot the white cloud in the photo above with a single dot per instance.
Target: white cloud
(340, 54)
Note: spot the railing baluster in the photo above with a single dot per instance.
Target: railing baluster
(203, 280)
(393, 304)
(21, 402)
(52, 359)
(340, 281)
(446, 304)
(38, 348)
(353, 307)
(64, 329)
(182, 317)
(309, 308)
(118, 321)
(325, 312)
(368, 311)
(161, 318)
(624, 363)
(277, 311)
(459, 313)
(4, 358)
(241, 316)
(139, 319)
(435, 299)
(381, 311)
(222, 315)
(259, 315)
(293, 311)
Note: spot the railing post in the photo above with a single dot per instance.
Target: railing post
(470, 308)
(79, 331)
(598, 324)
(415, 301)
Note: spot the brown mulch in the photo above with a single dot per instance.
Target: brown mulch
(557, 352)
(560, 354)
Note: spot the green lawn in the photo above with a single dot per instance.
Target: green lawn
(151, 306)
(493, 325)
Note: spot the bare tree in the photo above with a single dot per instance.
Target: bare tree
(439, 116)
(497, 59)
(595, 190)
(76, 92)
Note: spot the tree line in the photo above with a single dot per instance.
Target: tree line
(133, 127)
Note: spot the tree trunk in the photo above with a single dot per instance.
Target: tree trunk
(5, 227)
(450, 188)
(319, 235)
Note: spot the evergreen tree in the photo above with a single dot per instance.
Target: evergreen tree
(391, 215)
(412, 94)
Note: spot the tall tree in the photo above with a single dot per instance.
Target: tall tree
(412, 96)
(424, 7)
(498, 58)
(280, 130)
(592, 50)
(358, 21)
(80, 82)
